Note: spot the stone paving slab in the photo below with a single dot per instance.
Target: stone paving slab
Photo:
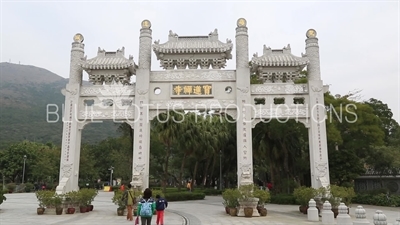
(21, 209)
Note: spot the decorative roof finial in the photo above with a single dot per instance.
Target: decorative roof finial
(241, 22)
(146, 24)
(78, 38)
(311, 33)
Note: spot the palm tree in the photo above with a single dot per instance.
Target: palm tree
(167, 127)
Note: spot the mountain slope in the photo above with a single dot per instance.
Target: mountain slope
(25, 93)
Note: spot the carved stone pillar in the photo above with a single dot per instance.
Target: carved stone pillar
(70, 148)
(244, 114)
(319, 163)
(141, 149)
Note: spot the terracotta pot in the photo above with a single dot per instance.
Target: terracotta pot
(59, 211)
(120, 212)
(233, 211)
(227, 210)
(87, 208)
(70, 210)
(82, 209)
(303, 209)
(91, 207)
(40, 211)
(259, 208)
(248, 212)
(263, 212)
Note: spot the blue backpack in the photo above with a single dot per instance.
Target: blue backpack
(146, 209)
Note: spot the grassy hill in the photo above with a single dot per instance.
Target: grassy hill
(25, 92)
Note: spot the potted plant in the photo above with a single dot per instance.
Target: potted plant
(117, 200)
(338, 195)
(71, 200)
(263, 197)
(88, 195)
(45, 199)
(247, 199)
(231, 197)
(303, 195)
(58, 201)
(83, 200)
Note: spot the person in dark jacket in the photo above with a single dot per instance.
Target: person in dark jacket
(161, 204)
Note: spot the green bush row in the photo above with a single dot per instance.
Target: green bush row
(206, 191)
(184, 196)
(283, 199)
(377, 199)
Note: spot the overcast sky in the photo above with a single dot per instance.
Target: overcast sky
(359, 40)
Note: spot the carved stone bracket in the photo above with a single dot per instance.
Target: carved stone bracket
(81, 125)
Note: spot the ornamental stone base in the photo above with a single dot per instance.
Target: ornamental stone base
(251, 202)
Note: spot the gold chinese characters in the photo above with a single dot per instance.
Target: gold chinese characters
(198, 89)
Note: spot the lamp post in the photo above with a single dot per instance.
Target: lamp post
(112, 170)
(23, 171)
(220, 170)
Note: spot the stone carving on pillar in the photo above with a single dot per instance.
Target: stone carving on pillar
(321, 168)
(66, 169)
(246, 175)
(142, 92)
(243, 89)
(316, 89)
(145, 40)
(137, 176)
(72, 91)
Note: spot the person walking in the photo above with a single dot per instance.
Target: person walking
(146, 207)
(129, 195)
(161, 204)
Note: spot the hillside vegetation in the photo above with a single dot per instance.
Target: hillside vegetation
(25, 92)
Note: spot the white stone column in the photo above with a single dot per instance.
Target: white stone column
(244, 114)
(141, 146)
(317, 132)
(70, 148)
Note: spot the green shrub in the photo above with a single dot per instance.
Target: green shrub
(377, 199)
(206, 191)
(184, 196)
(283, 199)
(29, 187)
(2, 197)
(11, 187)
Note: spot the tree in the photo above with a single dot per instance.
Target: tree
(385, 115)
(167, 127)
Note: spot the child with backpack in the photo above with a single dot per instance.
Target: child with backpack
(161, 204)
(146, 207)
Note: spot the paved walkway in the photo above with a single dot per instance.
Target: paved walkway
(21, 209)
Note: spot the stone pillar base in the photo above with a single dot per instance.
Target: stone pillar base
(252, 202)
